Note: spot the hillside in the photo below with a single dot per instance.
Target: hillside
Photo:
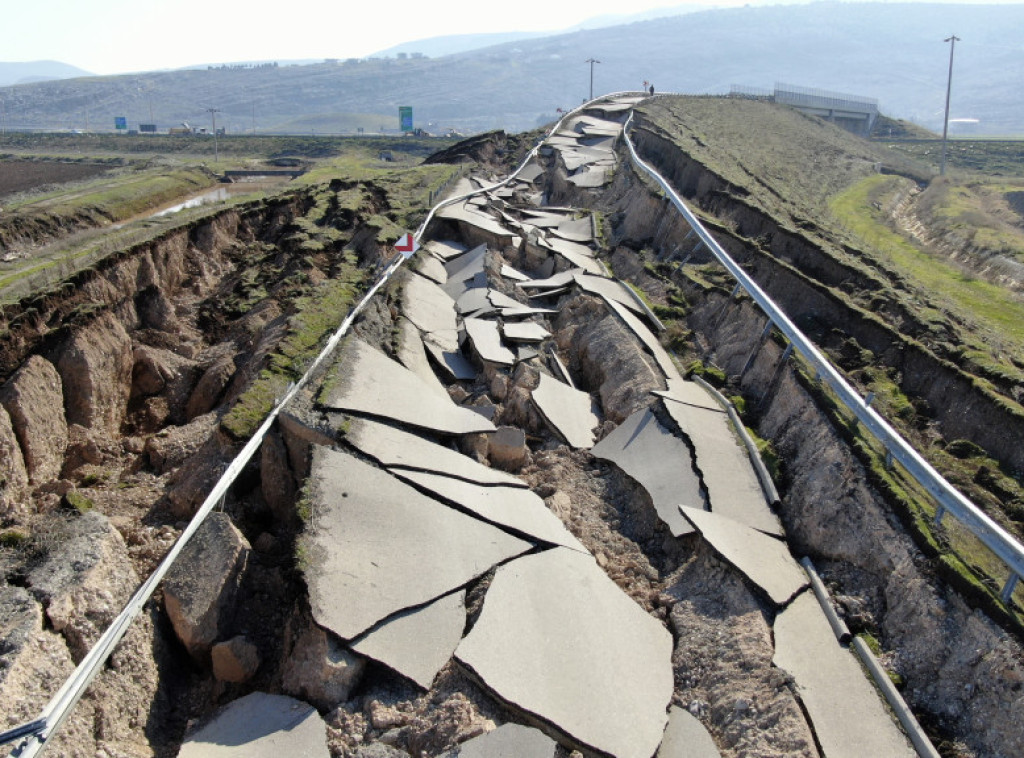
(891, 52)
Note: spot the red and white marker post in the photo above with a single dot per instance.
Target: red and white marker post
(406, 245)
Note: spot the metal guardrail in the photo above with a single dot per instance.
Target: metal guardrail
(35, 734)
(948, 498)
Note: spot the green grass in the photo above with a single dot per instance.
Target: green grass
(998, 311)
(316, 317)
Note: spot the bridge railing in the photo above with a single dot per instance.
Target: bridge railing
(949, 500)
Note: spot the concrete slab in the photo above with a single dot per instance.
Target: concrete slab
(764, 560)
(660, 462)
(397, 449)
(734, 491)
(508, 741)
(476, 302)
(413, 356)
(376, 546)
(465, 269)
(370, 382)
(464, 213)
(558, 639)
(514, 274)
(516, 508)
(575, 158)
(544, 218)
(418, 643)
(691, 393)
(609, 289)
(577, 230)
(486, 341)
(529, 173)
(452, 362)
(260, 725)
(511, 308)
(526, 331)
(557, 281)
(445, 249)
(569, 411)
(686, 737)
(431, 309)
(845, 709)
(578, 255)
(595, 177)
(640, 329)
(432, 268)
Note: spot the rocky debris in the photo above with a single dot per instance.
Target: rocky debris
(260, 725)
(174, 445)
(235, 660)
(431, 549)
(211, 385)
(95, 366)
(318, 667)
(34, 663)
(507, 741)
(763, 559)
(660, 462)
(507, 449)
(849, 718)
(367, 381)
(163, 372)
(559, 640)
(608, 357)
(34, 399)
(13, 474)
(686, 737)
(201, 587)
(276, 481)
(192, 482)
(723, 663)
(85, 581)
(420, 642)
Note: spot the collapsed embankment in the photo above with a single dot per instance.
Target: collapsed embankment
(845, 308)
(963, 674)
(124, 393)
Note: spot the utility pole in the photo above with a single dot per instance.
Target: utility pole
(591, 61)
(213, 114)
(952, 39)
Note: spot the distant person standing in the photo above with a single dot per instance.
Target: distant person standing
(652, 89)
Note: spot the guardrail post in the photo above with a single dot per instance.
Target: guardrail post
(939, 513)
(1007, 594)
(888, 459)
(869, 399)
(778, 370)
(736, 290)
(757, 347)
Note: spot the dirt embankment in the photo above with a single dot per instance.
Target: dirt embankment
(113, 391)
(835, 302)
(963, 674)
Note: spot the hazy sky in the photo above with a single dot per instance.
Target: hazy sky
(115, 36)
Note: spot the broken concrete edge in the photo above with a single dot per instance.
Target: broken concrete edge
(907, 720)
(770, 492)
(528, 717)
(540, 542)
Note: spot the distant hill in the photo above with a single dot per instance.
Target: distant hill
(891, 52)
(37, 71)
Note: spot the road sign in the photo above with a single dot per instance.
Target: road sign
(120, 122)
(405, 118)
(406, 245)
